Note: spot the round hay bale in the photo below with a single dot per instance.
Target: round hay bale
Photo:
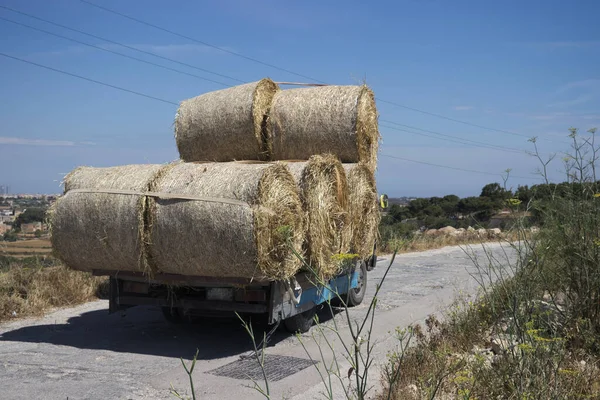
(225, 125)
(341, 120)
(362, 203)
(250, 233)
(324, 194)
(102, 230)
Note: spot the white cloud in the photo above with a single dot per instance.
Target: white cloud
(561, 44)
(571, 44)
(40, 142)
(584, 84)
(575, 93)
(581, 99)
(462, 108)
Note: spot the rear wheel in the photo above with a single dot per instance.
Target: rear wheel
(357, 294)
(300, 322)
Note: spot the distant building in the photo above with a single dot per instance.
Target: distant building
(31, 227)
(6, 218)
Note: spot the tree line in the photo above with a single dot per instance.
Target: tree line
(477, 211)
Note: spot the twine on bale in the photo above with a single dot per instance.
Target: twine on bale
(324, 194)
(225, 125)
(102, 230)
(253, 240)
(221, 220)
(363, 209)
(341, 120)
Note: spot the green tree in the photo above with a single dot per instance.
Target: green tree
(417, 206)
(10, 236)
(495, 192)
(434, 211)
(524, 193)
(399, 213)
(30, 215)
(449, 204)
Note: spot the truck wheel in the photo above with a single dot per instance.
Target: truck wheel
(373, 259)
(357, 294)
(172, 315)
(300, 322)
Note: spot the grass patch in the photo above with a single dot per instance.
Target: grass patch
(34, 243)
(30, 289)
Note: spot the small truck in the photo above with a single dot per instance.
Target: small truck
(292, 302)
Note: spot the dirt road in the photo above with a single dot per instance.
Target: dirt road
(85, 353)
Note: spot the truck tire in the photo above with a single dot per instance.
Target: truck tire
(300, 322)
(172, 315)
(373, 259)
(356, 295)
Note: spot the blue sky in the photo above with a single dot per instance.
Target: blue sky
(526, 67)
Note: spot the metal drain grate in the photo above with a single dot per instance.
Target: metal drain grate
(276, 368)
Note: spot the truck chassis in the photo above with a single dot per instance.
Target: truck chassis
(294, 302)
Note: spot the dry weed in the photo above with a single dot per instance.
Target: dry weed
(26, 291)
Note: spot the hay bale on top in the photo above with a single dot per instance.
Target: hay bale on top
(225, 125)
(364, 214)
(341, 120)
(244, 239)
(101, 230)
(324, 194)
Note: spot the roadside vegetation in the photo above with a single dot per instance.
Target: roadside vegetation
(32, 286)
(534, 330)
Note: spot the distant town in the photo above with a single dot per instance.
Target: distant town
(23, 216)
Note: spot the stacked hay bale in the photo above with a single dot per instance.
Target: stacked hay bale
(248, 225)
(225, 125)
(94, 226)
(341, 120)
(219, 220)
(237, 206)
(324, 193)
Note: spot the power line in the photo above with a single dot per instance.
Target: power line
(113, 52)
(451, 119)
(456, 139)
(453, 138)
(199, 41)
(121, 44)
(481, 144)
(296, 73)
(90, 80)
(174, 103)
(453, 168)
